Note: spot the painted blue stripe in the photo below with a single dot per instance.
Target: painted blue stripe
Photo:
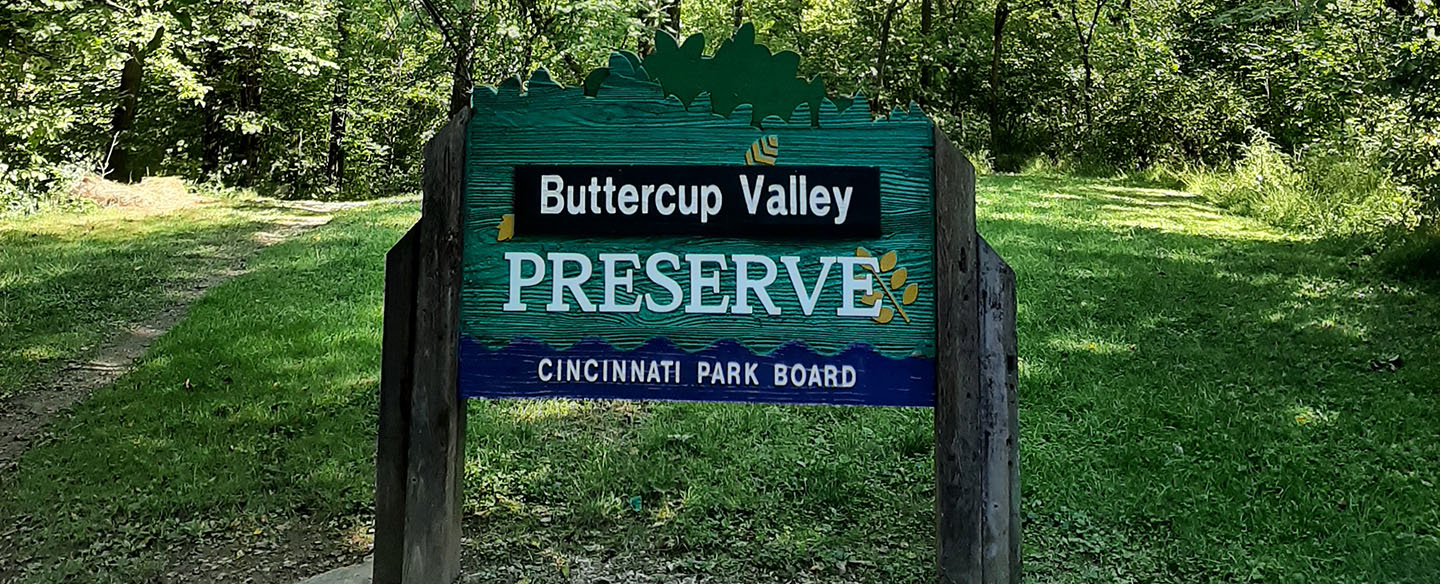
(514, 372)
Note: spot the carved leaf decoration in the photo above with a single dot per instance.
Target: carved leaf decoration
(887, 261)
(897, 279)
(763, 151)
(885, 315)
(911, 293)
(861, 252)
(871, 298)
(739, 72)
(507, 228)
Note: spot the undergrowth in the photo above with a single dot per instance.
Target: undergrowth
(1342, 193)
(1327, 192)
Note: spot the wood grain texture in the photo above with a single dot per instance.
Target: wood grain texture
(1011, 340)
(396, 377)
(958, 443)
(437, 417)
(998, 376)
(630, 122)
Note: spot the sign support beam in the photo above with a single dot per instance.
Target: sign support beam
(959, 445)
(1000, 533)
(418, 513)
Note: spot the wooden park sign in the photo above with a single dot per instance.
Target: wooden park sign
(695, 228)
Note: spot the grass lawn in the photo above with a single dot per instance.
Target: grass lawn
(69, 280)
(1203, 399)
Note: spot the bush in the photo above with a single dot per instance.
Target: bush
(1335, 191)
(1415, 254)
(28, 190)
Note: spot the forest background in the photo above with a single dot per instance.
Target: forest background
(1317, 115)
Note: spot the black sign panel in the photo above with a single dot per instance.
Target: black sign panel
(716, 201)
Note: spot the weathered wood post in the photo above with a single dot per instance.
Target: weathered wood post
(977, 474)
(999, 420)
(420, 456)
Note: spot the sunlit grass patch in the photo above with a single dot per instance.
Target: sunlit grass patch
(68, 280)
(1203, 398)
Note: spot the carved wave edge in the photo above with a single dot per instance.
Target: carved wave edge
(661, 345)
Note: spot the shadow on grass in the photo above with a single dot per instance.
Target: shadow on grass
(259, 406)
(1221, 393)
(1198, 403)
(68, 284)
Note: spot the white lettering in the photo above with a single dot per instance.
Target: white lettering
(628, 196)
(552, 201)
(850, 286)
(792, 267)
(842, 203)
(752, 193)
(699, 282)
(612, 281)
(562, 282)
(517, 281)
(652, 271)
(744, 285)
(710, 201)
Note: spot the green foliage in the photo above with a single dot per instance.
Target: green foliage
(1335, 192)
(245, 91)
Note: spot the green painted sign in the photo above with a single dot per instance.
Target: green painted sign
(700, 228)
(680, 236)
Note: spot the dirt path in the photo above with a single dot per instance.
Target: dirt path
(24, 416)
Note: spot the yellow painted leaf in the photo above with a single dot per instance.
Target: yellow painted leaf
(911, 292)
(507, 228)
(870, 299)
(887, 261)
(897, 279)
(885, 315)
(861, 252)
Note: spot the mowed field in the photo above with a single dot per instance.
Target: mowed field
(1203, 399)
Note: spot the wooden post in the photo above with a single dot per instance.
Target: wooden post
(977, 462)
(417, 539)
(396, 371)
(959, 445)
(999, 406)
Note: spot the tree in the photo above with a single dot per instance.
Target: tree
(1085, 37)
(132, 74)
(340, 98)
(999, 144)
(883, 53)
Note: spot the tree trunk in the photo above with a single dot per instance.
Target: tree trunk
(1085, 37)
(460, 81)
(117, 163)
(670, 23)
(672, 19)
(339, 100)
(463, 51)
(998, 143)
(927, 16)
(883, 56)
(1089, 83)
(211, 132)
(739, 13)
(248, 77)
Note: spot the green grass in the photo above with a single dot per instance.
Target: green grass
(69, 280)
(1198, 404)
